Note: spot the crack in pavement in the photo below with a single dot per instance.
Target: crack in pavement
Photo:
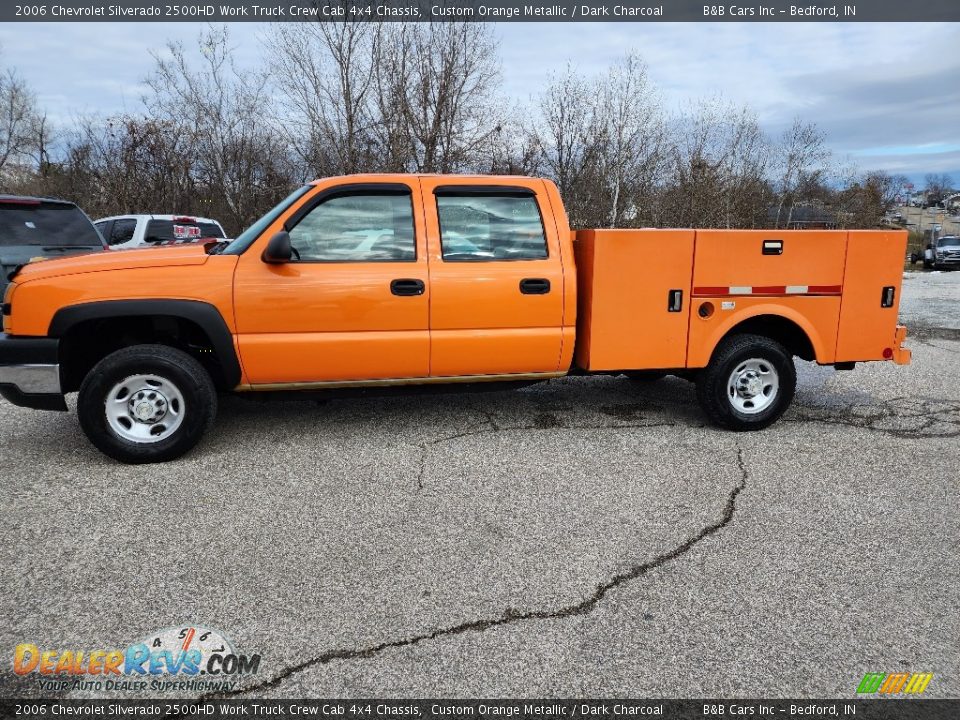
(920, 418)
(546, 422)
(921, 332)
(511, 616)
(929, 343)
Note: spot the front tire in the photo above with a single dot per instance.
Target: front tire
(146, 403)
(748, 384)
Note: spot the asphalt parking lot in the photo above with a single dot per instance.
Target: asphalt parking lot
(580, 538)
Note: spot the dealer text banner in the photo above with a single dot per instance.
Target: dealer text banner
(480, 11)
(704, 709)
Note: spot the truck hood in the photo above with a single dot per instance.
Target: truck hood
(119, 260)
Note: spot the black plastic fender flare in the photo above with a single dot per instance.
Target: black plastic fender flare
(203, 314)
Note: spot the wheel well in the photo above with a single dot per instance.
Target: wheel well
(87, 342)
(784, 331)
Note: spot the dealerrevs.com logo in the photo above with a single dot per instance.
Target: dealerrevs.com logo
(183, 658)
(894, 683)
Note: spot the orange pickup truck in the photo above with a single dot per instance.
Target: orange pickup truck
(375, 280)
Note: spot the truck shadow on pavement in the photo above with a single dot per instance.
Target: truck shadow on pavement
(598, 403)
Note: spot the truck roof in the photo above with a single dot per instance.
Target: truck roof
(148, 216)
(402, 176)
(28, 199)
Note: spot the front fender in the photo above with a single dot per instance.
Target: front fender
(203, 314)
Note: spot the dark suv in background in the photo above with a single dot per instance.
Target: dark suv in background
(32, 227)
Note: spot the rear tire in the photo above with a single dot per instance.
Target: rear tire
(146, 403)
(748, 384)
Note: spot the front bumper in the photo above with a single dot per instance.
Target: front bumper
(30, 372)
(901, 355)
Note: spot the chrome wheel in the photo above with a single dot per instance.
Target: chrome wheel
(144, 408)
(752, 386)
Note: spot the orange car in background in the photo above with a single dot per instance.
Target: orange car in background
(413, 279)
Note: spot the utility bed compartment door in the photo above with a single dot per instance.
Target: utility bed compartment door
(634, 298)
(871, 294)
(769, 262)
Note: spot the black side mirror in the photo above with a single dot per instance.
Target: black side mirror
(278, 250)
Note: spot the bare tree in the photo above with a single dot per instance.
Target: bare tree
(366, 96)
(328, 89)
(720, 164)
(629, 136)
(19, 119)
(937, 186)
(801, 161)
(601, 140)
(437, 105)
(865, 198)
(512, 149)
(222, 110)
(565, 110)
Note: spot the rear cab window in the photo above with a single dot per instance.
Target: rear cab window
(181, 230)
(487, 225)
(49, 224)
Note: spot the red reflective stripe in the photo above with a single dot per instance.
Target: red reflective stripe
(769, 290)
(824, 289)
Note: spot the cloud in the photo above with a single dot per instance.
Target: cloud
(886, 94)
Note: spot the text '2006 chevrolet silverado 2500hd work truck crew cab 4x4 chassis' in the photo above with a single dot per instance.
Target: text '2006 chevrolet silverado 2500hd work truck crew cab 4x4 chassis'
(376, 280)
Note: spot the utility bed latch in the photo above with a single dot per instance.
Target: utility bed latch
(773, 247)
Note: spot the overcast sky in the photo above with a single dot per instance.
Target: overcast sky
(887, 95)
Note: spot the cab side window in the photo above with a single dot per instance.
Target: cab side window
(122, 231)
(483, 226)
(357, 227)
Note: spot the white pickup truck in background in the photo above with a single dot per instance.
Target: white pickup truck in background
(123, 232)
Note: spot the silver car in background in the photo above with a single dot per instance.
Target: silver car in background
(944, 254)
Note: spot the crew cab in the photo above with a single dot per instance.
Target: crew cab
(387, 280)
(125, 232)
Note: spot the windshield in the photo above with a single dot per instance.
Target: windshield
(49, 224)
(948, 242)
(246, 238)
